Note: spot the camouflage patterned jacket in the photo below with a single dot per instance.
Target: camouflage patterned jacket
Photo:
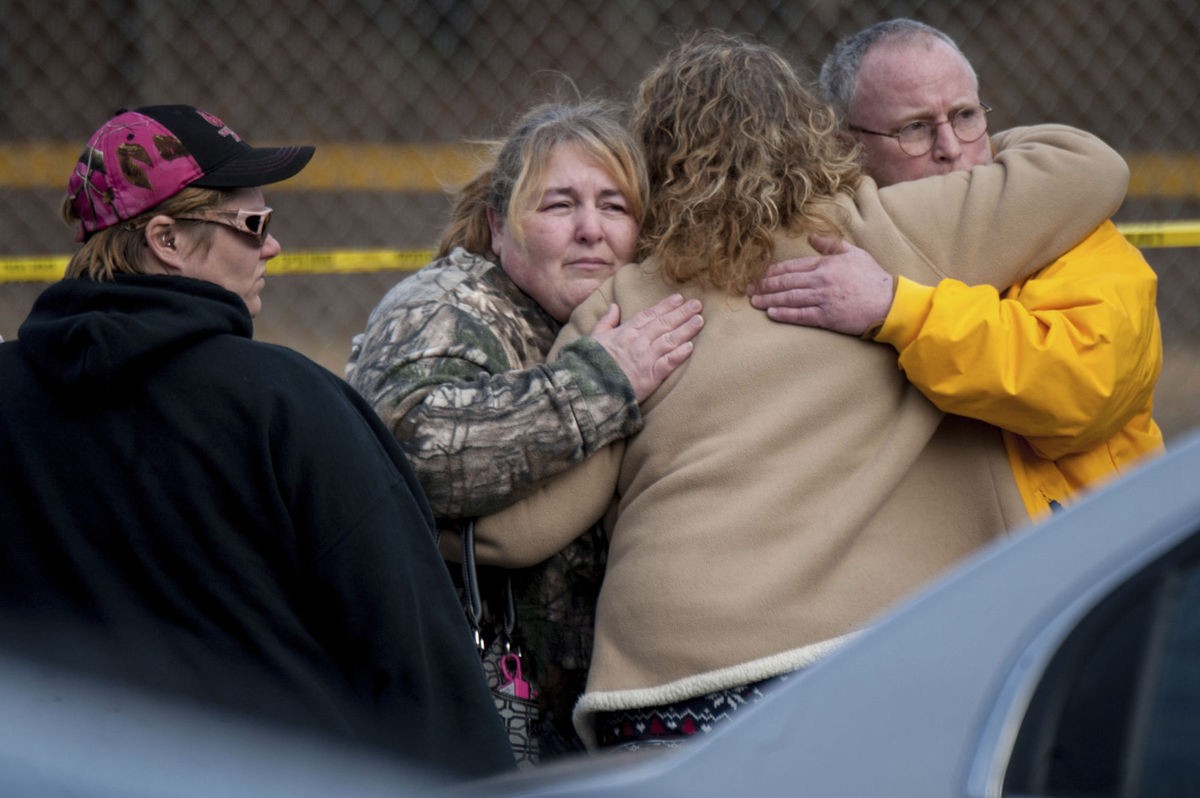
(453, 360)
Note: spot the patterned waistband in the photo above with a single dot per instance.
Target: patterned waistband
(680, 720)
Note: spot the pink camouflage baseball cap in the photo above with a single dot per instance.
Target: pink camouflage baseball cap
(139, 158)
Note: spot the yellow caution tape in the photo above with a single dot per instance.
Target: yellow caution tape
(350, 261)
(1152, 235)
(49, 269)
(20, 270)
(1145, 235)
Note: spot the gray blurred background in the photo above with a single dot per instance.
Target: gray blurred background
(389, 91)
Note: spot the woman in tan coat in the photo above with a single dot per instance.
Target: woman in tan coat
(789, 483)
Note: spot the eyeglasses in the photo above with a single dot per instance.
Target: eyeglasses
(917, 138)
(252, 223)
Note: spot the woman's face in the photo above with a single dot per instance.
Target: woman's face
(234, 260)
(577, 234)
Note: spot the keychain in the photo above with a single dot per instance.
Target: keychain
(512, 681)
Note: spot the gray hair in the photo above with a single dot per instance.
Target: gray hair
(839, 72)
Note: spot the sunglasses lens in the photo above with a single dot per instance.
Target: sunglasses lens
(257, 224)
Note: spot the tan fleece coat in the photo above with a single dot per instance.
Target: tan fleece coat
(789, 483)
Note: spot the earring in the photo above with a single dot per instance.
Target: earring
(168, 243)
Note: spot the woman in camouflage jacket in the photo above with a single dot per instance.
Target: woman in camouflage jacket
(454, 357)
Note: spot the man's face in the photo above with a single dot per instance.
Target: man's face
(899, 83)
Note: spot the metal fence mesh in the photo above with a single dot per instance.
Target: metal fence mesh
(362, 79)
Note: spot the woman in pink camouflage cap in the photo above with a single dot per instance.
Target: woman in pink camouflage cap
(197, 514)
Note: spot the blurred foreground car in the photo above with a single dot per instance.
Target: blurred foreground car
(1063, 661)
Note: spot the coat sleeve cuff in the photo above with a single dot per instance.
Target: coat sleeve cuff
(911, 305)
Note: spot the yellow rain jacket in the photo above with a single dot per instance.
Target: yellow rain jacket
(1065, 363)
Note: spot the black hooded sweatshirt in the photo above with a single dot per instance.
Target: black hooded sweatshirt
(188, 510)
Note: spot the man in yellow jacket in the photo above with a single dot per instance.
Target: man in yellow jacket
(1064, 363)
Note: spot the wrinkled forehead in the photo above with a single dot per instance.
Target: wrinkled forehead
(913, 76)
(558, 166)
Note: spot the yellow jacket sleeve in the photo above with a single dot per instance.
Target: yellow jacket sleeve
(1064, 359)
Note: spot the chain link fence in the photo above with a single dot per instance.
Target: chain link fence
(389, 89)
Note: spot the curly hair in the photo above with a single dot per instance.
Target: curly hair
(737, 148)
(510, 184)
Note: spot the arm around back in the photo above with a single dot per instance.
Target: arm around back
(564, 507)
(1049, 187)
(453, 360)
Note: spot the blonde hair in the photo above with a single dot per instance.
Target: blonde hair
(510, 184)
(120, 249)
(737, 148)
